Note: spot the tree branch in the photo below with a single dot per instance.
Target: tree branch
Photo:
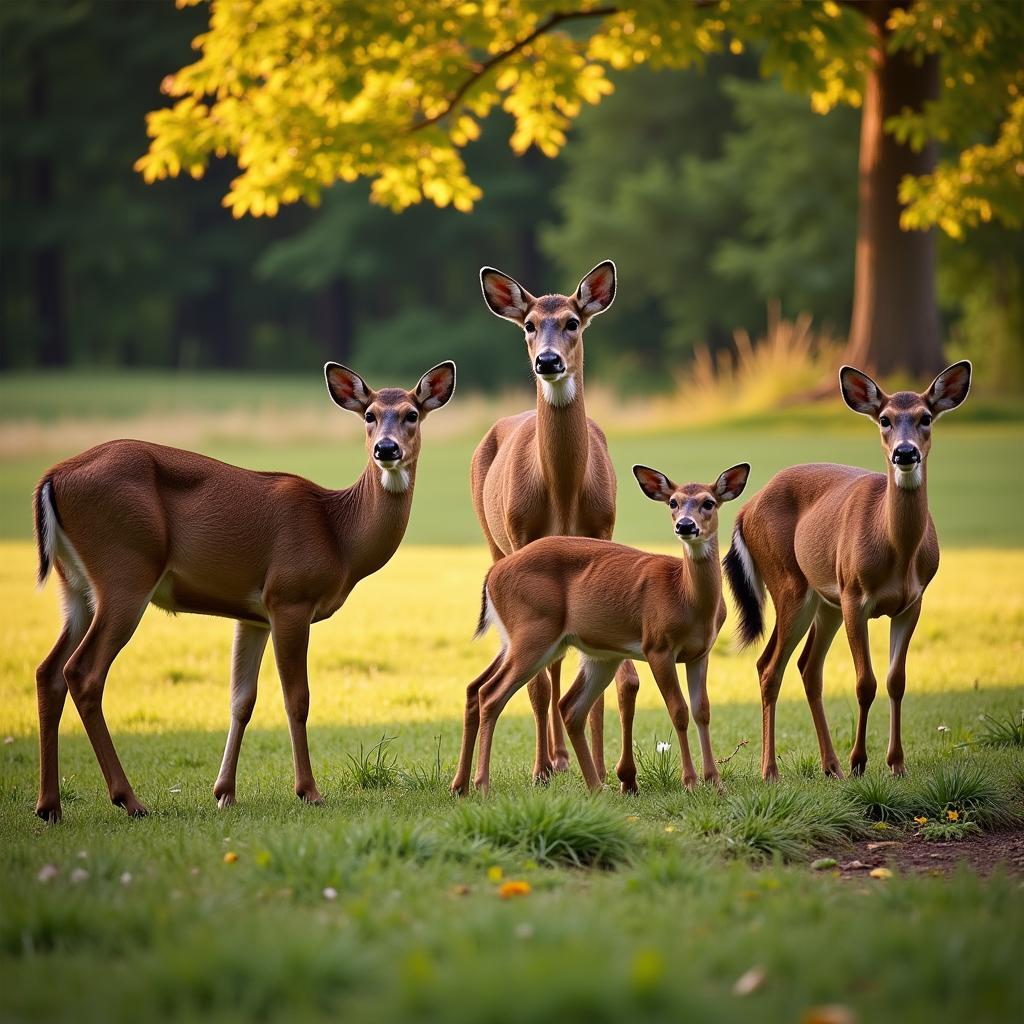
(498, 58)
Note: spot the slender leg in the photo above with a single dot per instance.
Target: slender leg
(812, 666)
(522, 661)
(86, 673)
(539, 690)
(559, 754)
(663, 666)
(597, 735)
(901, 630)
(627, 685)
(290, 629)
(577, 704)
(471, 726)
(250, 643)
(794, 610)
(51, 692)
(857, 633)
(700, 707)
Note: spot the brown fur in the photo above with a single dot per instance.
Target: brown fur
(840, 545)
(547, 472)
(142, 523)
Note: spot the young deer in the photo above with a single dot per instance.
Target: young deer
(130, 523)
(547, 472)
(835, 544)
(610, 602)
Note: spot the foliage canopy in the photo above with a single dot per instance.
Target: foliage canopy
(305, 93)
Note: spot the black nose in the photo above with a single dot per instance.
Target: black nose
(549, 363)
(387, 451)
(687, 528)
(906, 455)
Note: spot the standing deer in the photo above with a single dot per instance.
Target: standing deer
(547, 472)
(837, 544)
(128, 524)
(610, 602)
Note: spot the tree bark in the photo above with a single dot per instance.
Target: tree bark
(895, 325)
(335, 322)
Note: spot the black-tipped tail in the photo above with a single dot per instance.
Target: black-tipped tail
(44, 513)
(482, 623)
(746, 586)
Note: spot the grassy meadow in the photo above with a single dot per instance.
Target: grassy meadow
(391, 901)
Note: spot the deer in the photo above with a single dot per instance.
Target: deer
(129, 523)
(841, 545)
(611, 603)
(547, 472)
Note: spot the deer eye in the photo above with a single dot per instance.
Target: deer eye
(708, 505)
(530, 327)
(412, 417)
(885, 421)
(370, 418)
(571, 324)
(926, 420)
(672, 503)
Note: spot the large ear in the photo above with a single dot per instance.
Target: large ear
(949, 389)
(505, 296)
(347, 388)
(596, 291)
(436, 387)
(655, 485)
(731, 483)
(861, 393)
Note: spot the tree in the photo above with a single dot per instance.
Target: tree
(306, 92)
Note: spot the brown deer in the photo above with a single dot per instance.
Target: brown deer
(128, 524)
(837, 544)
(547, 472)
(610, 602)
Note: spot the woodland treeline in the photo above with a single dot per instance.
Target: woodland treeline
(715, 190)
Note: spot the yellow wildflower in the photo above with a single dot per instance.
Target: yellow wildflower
(514, 888)
(921, 820)
(495, 874)
(230, 857)
(953, 815)
(880, 873)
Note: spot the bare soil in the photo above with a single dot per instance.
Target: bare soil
(983, 854)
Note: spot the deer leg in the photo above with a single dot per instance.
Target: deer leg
(812, 666)
(663, 666)
(559, 754)
(901, 630)
(250, 643)
(470, 727)
(116, 618)
(539, 689)
(794, 610)
(596, 720)
(51, 693)
(627, 685)
(578, 704)
(290, 629)
(857, 633)
(700, 708)
(519, 666)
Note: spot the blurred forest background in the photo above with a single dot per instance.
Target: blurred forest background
(717, 192)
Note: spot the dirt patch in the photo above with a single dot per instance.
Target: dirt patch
(912, 854)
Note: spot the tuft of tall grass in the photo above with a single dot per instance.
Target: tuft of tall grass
(432, 777)
(966, 787)
(386, 839)
(376, 768)
(881, 797)
(658, 771)
(1002, 732)
(550, 828)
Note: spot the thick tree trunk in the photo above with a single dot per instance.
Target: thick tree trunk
(895, 314)
(334, 322)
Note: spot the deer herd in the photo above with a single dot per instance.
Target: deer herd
(129, 523)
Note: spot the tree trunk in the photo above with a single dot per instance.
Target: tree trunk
(895, 323)
(335, 322)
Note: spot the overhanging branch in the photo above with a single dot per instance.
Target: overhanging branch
(498, 58)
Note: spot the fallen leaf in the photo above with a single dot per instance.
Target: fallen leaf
(880, 873)
(230, 857)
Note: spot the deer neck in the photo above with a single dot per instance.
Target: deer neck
(906, 512)
(563, 440)
(369, 520)
(701, 576)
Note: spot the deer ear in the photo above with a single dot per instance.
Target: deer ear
(596, 291)
(949, 389)
(504, 295)
(861, 393)
(436, 387)
(655, 485)
(731, 483)
(347, 388)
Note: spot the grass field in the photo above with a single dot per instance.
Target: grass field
(385, 903)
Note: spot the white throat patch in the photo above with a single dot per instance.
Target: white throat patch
(909, 480)
(559, 393)
(699, 550)
(395, 480)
